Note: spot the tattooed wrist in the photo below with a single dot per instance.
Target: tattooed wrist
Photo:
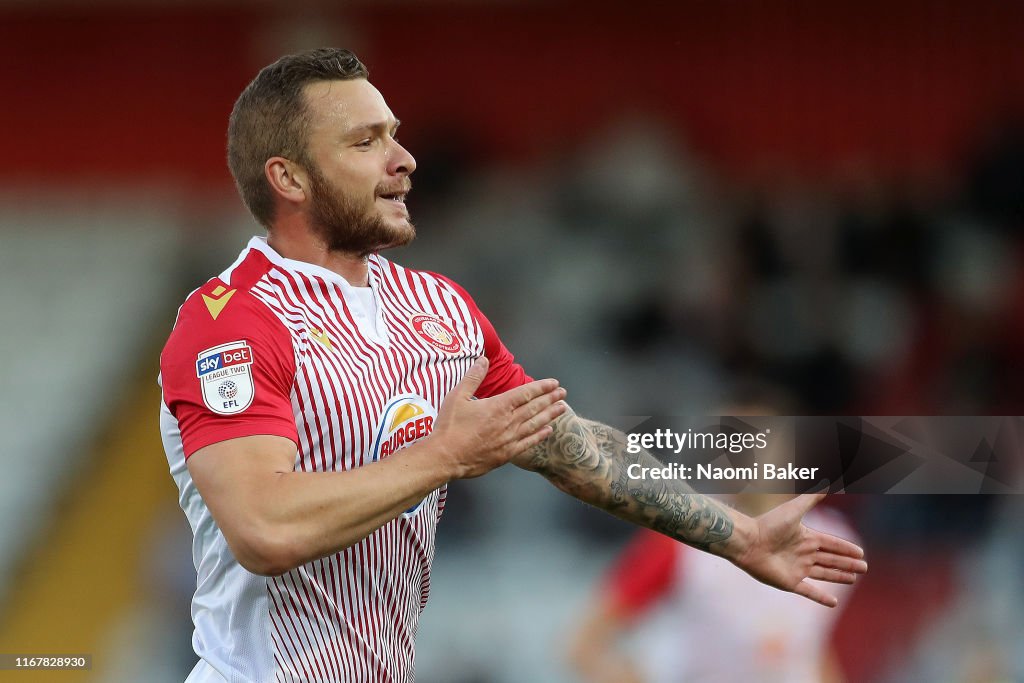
(589, 460)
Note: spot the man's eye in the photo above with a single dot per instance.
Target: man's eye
(364, 143)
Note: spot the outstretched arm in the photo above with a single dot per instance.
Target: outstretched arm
(589, 460)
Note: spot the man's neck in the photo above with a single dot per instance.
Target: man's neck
(350, 266)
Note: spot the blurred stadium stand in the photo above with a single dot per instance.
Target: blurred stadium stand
(83, 287)
(652, 203)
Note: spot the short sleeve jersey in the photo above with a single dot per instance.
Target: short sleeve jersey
(276, 346)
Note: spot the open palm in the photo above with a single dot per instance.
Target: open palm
(784, 553)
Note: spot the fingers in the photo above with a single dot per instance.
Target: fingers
(831, 575)
(838, 546)
(543, 418)
(528, 442)
(846, 564)
(534, 405)
(528, 414)
(472, 380)
(520, 396)
(536, 416)
(814, 592)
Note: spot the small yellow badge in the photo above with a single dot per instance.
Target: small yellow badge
(219, 299)
(321, 336)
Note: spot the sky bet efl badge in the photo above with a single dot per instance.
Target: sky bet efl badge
(436, 332)
(225, 374)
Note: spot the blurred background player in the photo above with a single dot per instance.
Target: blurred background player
(667, 614)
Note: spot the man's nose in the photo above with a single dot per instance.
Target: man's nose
(400, 162)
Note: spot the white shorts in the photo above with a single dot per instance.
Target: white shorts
(204, 673)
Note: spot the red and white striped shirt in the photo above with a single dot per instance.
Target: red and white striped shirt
(282, 347)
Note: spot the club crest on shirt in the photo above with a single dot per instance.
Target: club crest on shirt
(435, 332)
(225, 377)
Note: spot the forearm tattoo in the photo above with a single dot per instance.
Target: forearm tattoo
(588, 460)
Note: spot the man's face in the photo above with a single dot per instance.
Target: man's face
(358, 173)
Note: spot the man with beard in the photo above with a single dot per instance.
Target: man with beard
(317, 398)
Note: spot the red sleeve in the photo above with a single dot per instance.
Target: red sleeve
(227, 369)
(504, 372)
(643, 573)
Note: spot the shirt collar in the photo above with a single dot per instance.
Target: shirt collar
(259, 243)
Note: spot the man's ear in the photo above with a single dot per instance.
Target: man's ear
(287, 179)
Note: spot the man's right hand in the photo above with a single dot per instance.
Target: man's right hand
(275, 519)
(480, 435)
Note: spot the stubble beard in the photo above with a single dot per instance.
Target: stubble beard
(345, 226)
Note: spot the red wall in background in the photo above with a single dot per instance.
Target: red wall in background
(113, 95)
